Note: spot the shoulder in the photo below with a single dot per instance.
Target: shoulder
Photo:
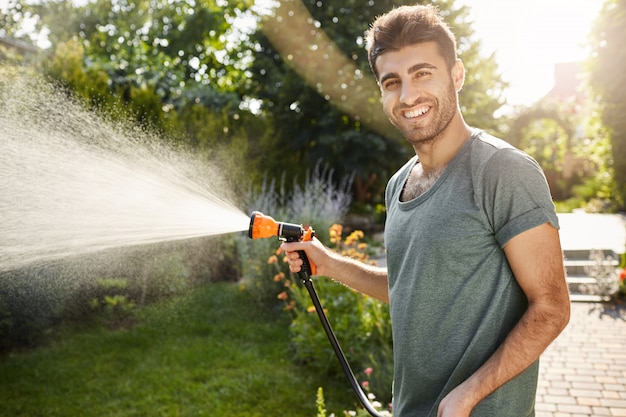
(495, 154)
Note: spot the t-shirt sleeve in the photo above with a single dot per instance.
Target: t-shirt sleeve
(517, 197)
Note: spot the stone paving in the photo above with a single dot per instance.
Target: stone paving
(583, 372)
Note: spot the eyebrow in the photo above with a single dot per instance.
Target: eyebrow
(411, 70)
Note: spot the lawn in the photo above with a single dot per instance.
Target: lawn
(210, 352)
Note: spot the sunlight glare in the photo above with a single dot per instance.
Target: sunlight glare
(530, 37)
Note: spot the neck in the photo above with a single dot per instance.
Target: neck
(438, 152)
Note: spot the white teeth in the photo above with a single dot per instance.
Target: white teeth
(416, 112)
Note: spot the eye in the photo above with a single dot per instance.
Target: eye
(421, 74)
(391, 84)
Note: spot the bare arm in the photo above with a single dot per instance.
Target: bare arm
(536, 259)
(364, 278)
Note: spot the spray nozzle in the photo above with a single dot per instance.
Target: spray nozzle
(262, 226)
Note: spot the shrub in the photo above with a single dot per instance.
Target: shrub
(320, 404)
(112, 301)
(319, 202)
(360, 321)
(6, 323)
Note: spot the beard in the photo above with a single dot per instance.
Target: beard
(443, 111)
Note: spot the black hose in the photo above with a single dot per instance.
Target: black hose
(305, 277)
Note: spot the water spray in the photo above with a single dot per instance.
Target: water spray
(262, 226)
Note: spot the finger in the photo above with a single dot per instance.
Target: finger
(291, 246)
(294, 256)
(296, 261)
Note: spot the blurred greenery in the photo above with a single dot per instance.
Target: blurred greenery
(277, 90)
(211, 76)
(206, 352)
(206, 75)
(608, 82)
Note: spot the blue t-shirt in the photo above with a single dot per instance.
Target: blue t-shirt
(453, 297)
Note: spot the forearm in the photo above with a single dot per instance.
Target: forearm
(368, 279)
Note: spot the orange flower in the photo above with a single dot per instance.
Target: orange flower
(336, 229)
(283, 295)
(335, 233)
(272, 259)
(622, 275)
(354, 237)
(279, 277)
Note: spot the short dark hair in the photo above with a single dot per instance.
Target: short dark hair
(409, 25)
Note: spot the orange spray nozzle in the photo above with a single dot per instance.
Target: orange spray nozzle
(262, 226)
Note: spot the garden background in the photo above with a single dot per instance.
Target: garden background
(281, 102)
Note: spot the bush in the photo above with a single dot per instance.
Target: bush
(112, 302)
(360, 321)
(320, 203)
(6, 323)
(29, 307)
(36, 299)
(320, 404)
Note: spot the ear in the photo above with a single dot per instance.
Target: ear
(458, 75)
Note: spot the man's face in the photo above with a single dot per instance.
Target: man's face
(419, 92)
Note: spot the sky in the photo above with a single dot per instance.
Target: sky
(530, 36)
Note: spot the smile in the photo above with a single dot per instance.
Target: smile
(420, 111)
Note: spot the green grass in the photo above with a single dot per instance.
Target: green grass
(211, 352)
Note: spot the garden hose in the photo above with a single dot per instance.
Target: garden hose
(262, 226)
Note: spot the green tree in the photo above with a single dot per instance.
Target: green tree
(174, 66)
(15, 45)
(608, 82)
(546, 131)
(336, 115)
(162, 46)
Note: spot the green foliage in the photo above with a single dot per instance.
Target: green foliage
(595, 192)
(608, 81)
(320, 202)
(359, 319)
(191, 69)
(572, 146)
(361, 323)
(6, 322)
(107, 286)
(319, 403)
(172, 67)
(112, 300)
(622, 277)
(210, 351)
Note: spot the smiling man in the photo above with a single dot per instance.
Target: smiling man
(475, 278)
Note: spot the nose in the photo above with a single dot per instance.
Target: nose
(410, 93)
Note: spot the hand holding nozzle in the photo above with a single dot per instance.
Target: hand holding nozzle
(262, 226)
